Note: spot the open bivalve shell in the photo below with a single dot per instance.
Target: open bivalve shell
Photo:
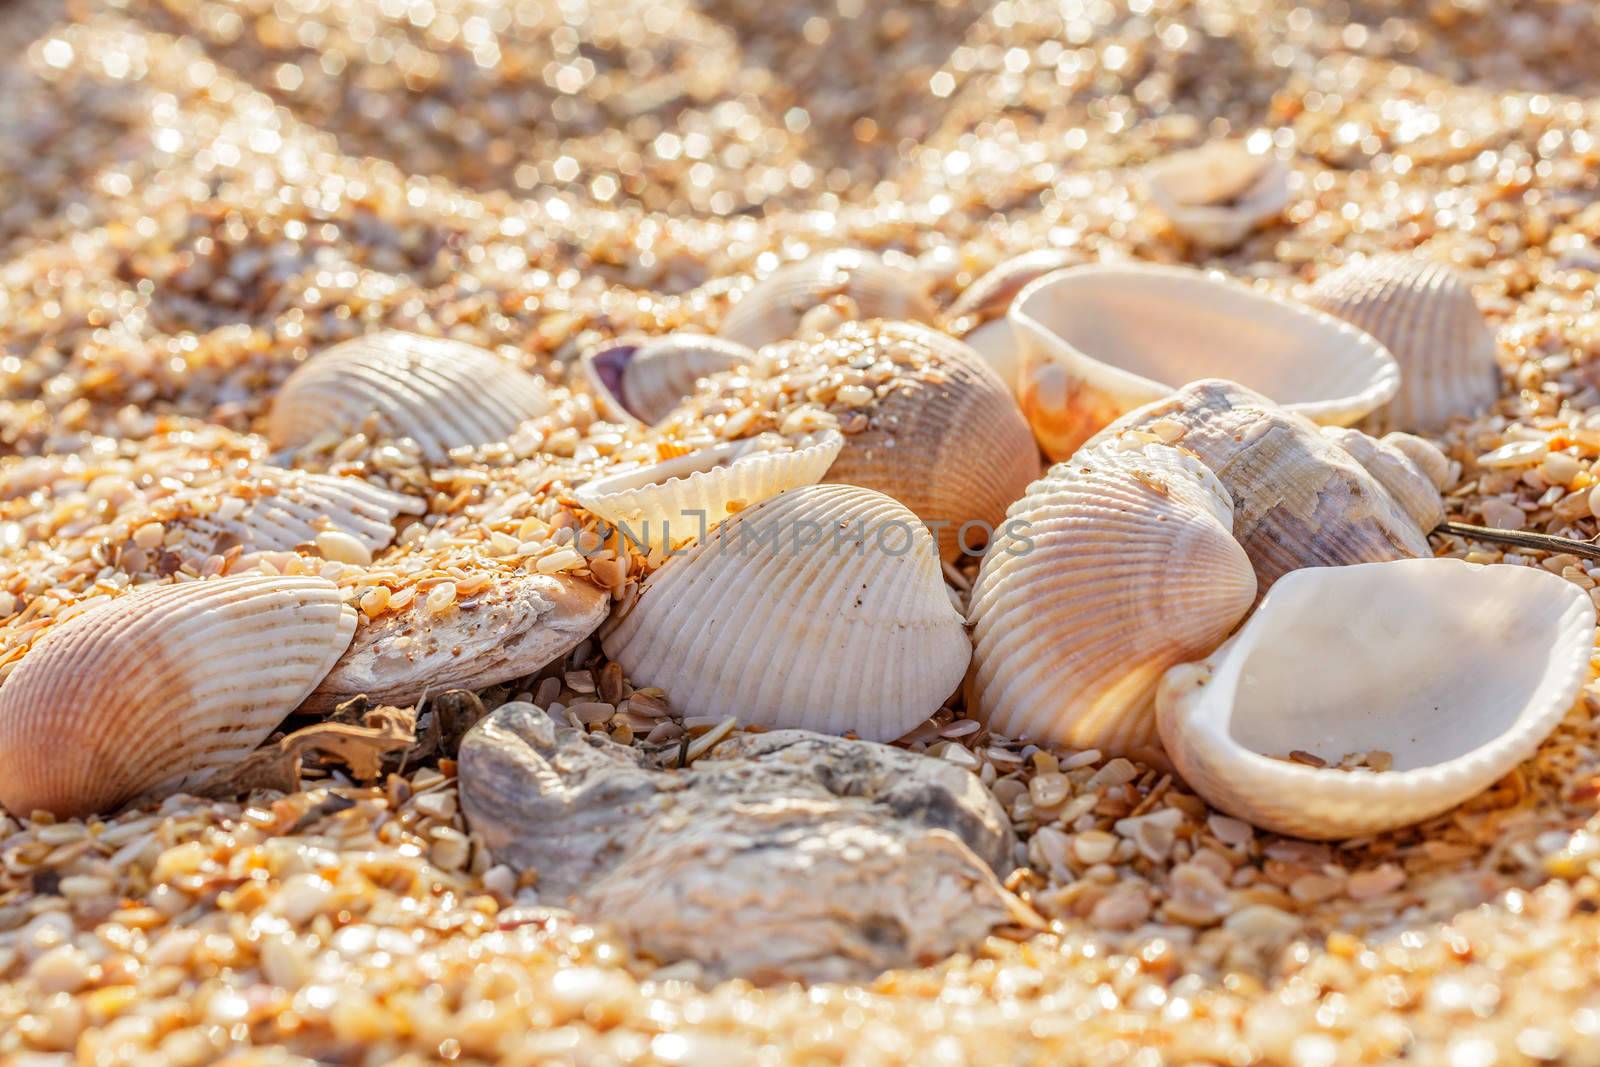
(643, 379)
(160, 689)
(1116, 565)
(822, 608)
(1100, 340)
(1299, 499)
(1447, 673)
(978, 315)
(817, 293)
(440, 394)
(665, 504)
(1216, 194)
(1424, 313)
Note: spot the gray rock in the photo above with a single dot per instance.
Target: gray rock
(784, 855)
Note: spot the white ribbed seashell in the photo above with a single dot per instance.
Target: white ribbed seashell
(441, 394)
(679, 499)
(1424, 313)
(1100, 340)
(822, 608)
(1410, 486)
(1457, 671)
(1216, 194)
(1299, 500)
(643, 379)
(852, 283)
(159, 690)
(515, 626)
(978, 315)
(1117, 565)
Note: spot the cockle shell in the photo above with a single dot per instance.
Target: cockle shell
(513, 627)
(160, 689)
(1299, 500)
(822, 608)
(676, 500)
(1391, 462)
(1100, 340)
(978, 315)
(1457, 671)
(1117, 565)
(641, 380)
(441, 394)
(846, 282)
(1424, 313)
(1216, 194)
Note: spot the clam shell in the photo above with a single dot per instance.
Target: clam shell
(1100, 340)
(159, 690)
(1299, 500)
(1407, 483)
(441, 394)
(978, 315)
(643, 379)
(1424, 313)
(1113, 568)
(853, 283)
(1458, 671)
(519, 623)
(822, 608)
(1216, 194)
(679, 499)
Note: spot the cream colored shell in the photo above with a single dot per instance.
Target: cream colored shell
(1117, 565)
(845, 284)
(1100, 340)
(1457, 671)
(1216, 194)
(822, 608)
(978, 314)
(641, 380)
(1391, 462)
(159, 690)
(441, 394)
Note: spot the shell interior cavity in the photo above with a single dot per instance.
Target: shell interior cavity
(159, 690)
(978, 314)
(441, 394)
(817, 293)
(822, 608)
(1100, 340)
(1216, 194)
(642, 380)
(1444, 672)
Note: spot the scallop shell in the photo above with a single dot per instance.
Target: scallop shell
(1116, 566)
(1409, 484)
(159, 690)
(643, 379)
(678, 500)
(441, 394)
(1299, 500)
(1100, 340)
(852, 283)
(978, 314)
(1216, 194)
(948, 442)
(822, 608)
(1457, 671)
(1424, 313)
(512, 628)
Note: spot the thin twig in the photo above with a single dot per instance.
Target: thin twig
(1542, 542)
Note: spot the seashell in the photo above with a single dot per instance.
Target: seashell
(1454, 670)
(822, 608)
(1424, 313)
(159, 690)
(851, 283)
(1100, 340)
(515, 626)
(1438, 468)
(978, 314)
(1116, 566)
(1216, 194)
(441, 394)
(1299, 500)
(642, 380)
(682, 498)
(1410, 486)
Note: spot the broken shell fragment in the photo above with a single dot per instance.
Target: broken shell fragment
(822, 608)
(441, 394)
(816, 294)
(1114, 567)
(1424, 313)
(159, 690)
(643, 379)
(1099, 340)
(1455, 670)
(1216, 194)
